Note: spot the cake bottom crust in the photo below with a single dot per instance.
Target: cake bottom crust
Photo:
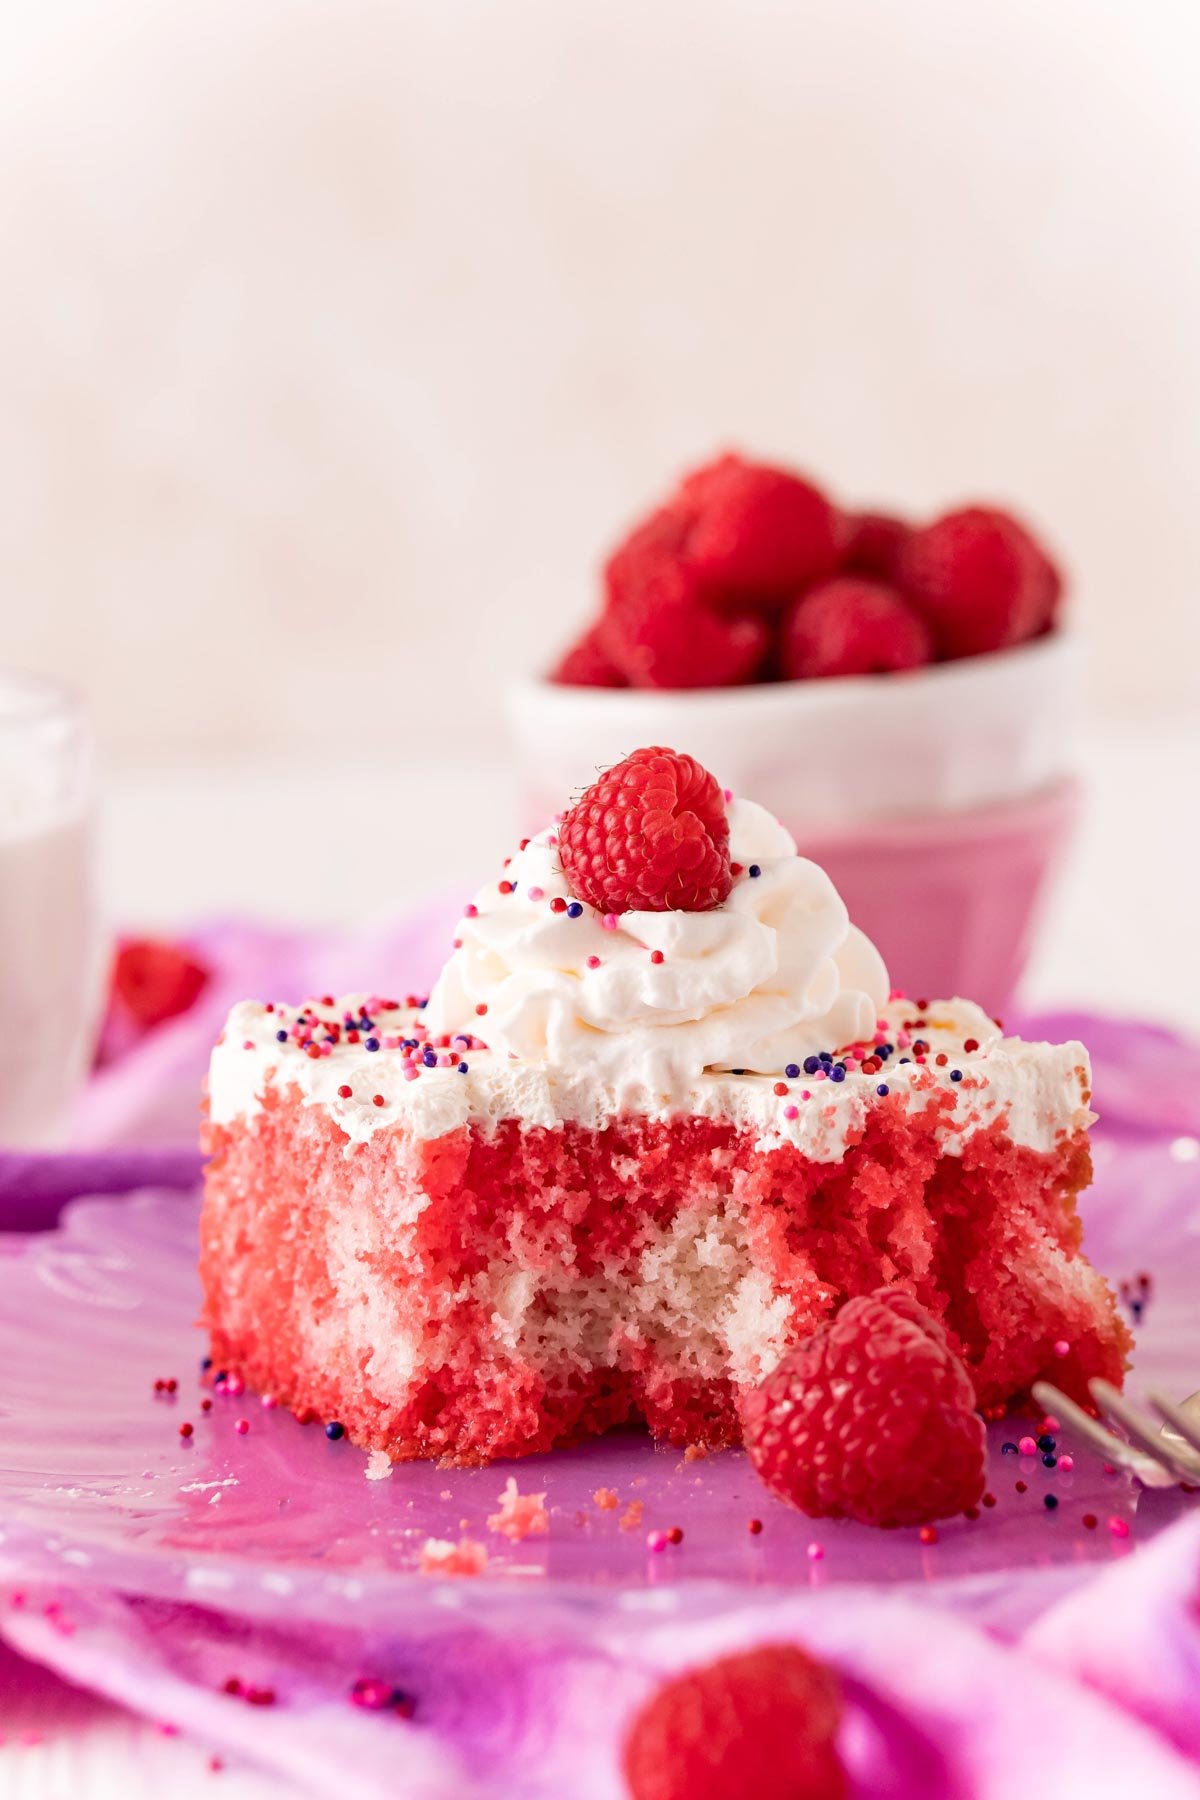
(492, 1295)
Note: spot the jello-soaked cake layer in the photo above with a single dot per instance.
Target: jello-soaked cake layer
(494, 1292)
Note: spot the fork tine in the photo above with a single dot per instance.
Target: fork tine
(1106, 1396)
(1178, 1420)
(1115, 1449)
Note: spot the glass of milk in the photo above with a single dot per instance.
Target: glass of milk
(51, 956)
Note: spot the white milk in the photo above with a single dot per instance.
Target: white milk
(50, 954)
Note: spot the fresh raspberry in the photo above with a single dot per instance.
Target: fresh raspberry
(660, 633)
(759, 534)
(757, 1725)
(873, 544)
(156, 981)
(850, 626)
(979, 580)
(659, 540)
(651, 835)
(586, 664)
(871, 1418)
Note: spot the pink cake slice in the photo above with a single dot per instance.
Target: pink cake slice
(458, 1253)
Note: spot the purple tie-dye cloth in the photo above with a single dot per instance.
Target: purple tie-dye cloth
(1134, 1634)
(1101, 1695)
(935, 1708)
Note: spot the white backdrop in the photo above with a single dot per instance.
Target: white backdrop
(337, 339)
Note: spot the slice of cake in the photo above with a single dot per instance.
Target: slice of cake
(659, 1118)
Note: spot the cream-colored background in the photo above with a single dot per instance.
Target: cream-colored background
(337, 339)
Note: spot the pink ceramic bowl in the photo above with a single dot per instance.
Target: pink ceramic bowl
(939, 801)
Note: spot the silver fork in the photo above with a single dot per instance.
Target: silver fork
(1159, 1455)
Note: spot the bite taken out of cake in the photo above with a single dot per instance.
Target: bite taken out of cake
(659, 1118)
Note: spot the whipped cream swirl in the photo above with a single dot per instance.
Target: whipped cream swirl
(775, 974)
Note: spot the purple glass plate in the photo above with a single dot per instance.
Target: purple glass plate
(97, 1486)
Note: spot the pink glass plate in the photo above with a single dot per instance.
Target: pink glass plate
(97, 1485)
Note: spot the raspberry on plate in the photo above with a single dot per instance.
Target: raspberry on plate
(851, 626)
(980, 581)
(759, 533)
(658, 630)
(873, 545)
(587, 664)
(651, 835)
(756, 1725)
(871, 1418)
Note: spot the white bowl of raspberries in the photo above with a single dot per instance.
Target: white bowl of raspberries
(902, 695)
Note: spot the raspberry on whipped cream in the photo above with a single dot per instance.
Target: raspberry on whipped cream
(649, 835)
(617, 1165)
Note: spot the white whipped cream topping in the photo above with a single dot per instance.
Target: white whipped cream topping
(1037, 1093)
(775, 974)
(582, 1026)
